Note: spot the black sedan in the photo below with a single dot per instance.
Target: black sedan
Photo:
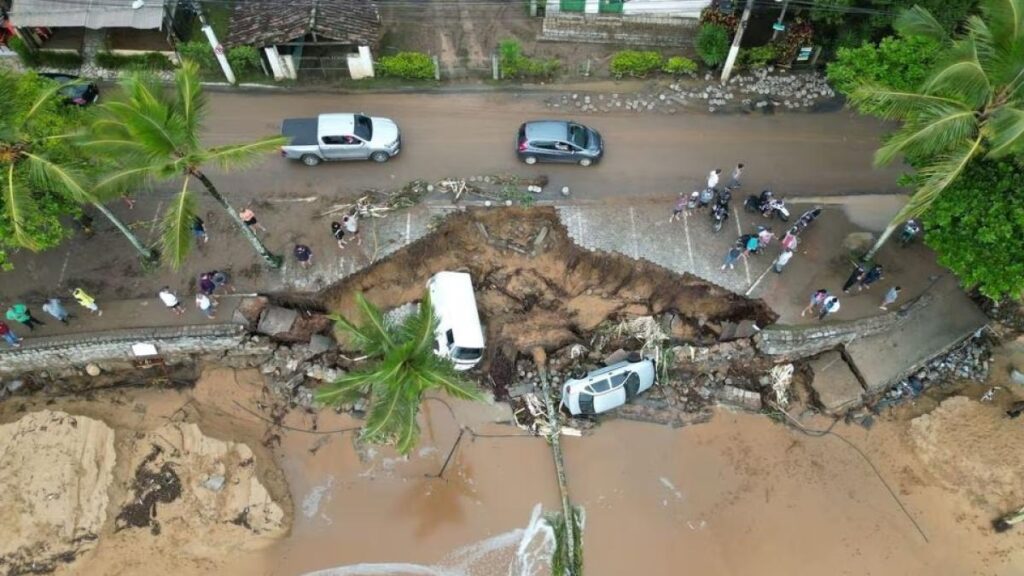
(558, 141)
(75, 92)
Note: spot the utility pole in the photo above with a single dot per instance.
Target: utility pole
(778, 23)
(218, 49)
(735, 49)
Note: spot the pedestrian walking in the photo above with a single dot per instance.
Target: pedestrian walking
(55, 308)
(734, 254)
(9, 335)
(206, 285)
(817, 299)
(222, 280)
(855, 277)
(199, 229)
(171, 301)
(890, 297)
(713, 178)
(86, 301)
(782, 260)
(304, 255)
(21, 313)
(737, 172)
(206, 305)
(829, 306)
(338, 231)
(249, 219)
(790, 241)
(678, 209)
(871, 276)
(765, 236)
(351, 223)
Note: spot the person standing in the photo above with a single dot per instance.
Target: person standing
(338, 231)
(765, 236)
(677, 210)
(54, 308)
(9, 335)
(206, 284)
(732, 256)
(782, 260)
(829, 306)
(789, 241)
(222, 280)
(890, 297)
(249, 219)
(86, 301)
(304, 255)
(713, 178)
(199, 229)
(206, 305)
(351, 223)
(871, 276)
(855, 277)
(817, 299)
(171, 301)
(737, 172)
(21, 313)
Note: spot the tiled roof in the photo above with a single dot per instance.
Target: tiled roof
(90, 14)
(262, 23)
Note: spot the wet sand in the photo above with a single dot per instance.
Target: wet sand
(738, 495)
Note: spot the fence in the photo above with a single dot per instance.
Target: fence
(322, 67)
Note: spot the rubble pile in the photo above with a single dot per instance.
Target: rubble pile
(762, 89)
(968, 361)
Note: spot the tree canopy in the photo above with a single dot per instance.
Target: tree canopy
(977, 228)
(850, 23)
(900, 62)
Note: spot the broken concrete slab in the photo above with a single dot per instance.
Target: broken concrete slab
(740, 397)
(276, 320)
(834, 383)
(734, 331)
(318, 344)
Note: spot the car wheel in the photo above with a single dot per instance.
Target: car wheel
(586, 162)
(310, 160)
(380, 157)
(634, 357)
(531, 160)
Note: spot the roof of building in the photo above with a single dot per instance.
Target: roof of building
(263, 23)
(95, 14)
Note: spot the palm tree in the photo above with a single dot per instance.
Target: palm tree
(971, 106)
(403, 367)
(155, 134)
(35, 161)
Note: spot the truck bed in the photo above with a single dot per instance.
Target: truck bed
(300, 131)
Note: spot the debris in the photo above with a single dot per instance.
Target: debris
(782, 375)
(739, 397)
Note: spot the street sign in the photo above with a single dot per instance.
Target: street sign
(804, 54)
(779, 26)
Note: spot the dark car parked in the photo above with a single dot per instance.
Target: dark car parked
(77, 92)
(558, 141)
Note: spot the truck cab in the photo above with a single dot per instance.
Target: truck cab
(342, 136)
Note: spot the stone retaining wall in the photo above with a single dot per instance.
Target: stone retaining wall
(61, 352)
(626, 30)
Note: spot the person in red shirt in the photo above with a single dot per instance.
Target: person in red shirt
(9, 335)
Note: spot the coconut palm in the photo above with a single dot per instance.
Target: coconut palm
(403, 367)
(154, 134)
(37, 159)
(971, 106)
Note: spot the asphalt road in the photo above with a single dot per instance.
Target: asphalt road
(649, 154)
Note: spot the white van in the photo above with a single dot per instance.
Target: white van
(460, 337)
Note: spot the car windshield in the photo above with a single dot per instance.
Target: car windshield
(578, 135)
(364, 128)
(466, 353)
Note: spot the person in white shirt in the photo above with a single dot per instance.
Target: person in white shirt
(171, 301)
(205, 304)
(782, 260)
(713, 178)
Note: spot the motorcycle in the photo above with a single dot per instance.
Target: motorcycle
(777, 207)
(911, 229)
(767, 205)
(805, 220)
(719, 214)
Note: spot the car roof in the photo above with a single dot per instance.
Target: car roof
(547, 130)
(333, 124)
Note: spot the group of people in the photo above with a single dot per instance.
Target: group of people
(347, 227)
(862, 278)
(20, 313)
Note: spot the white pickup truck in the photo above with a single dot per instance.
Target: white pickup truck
(340, 137)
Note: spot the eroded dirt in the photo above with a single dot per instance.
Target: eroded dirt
(535, 287)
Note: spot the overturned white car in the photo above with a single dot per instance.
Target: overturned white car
(609, 387)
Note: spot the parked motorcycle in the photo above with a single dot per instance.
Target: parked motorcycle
(909, 233)
(777, 208)
(719, 214)
(767, 205)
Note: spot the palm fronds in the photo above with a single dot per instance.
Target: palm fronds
(177, 227)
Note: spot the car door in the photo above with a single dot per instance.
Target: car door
(567, 151)
(544, 151)
(342, 147)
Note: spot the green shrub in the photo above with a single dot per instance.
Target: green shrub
(244, 60)
(634, 63)
(513, 64)
(758, 56)
(408, 65)
(147, 61)
(45, 59)
(902, 63)
(28, 57)
(200, 52)
(712, 44)
(679, 65)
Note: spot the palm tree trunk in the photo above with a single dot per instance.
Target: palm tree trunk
(273, 260)
(148, 255)
(893, 225)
